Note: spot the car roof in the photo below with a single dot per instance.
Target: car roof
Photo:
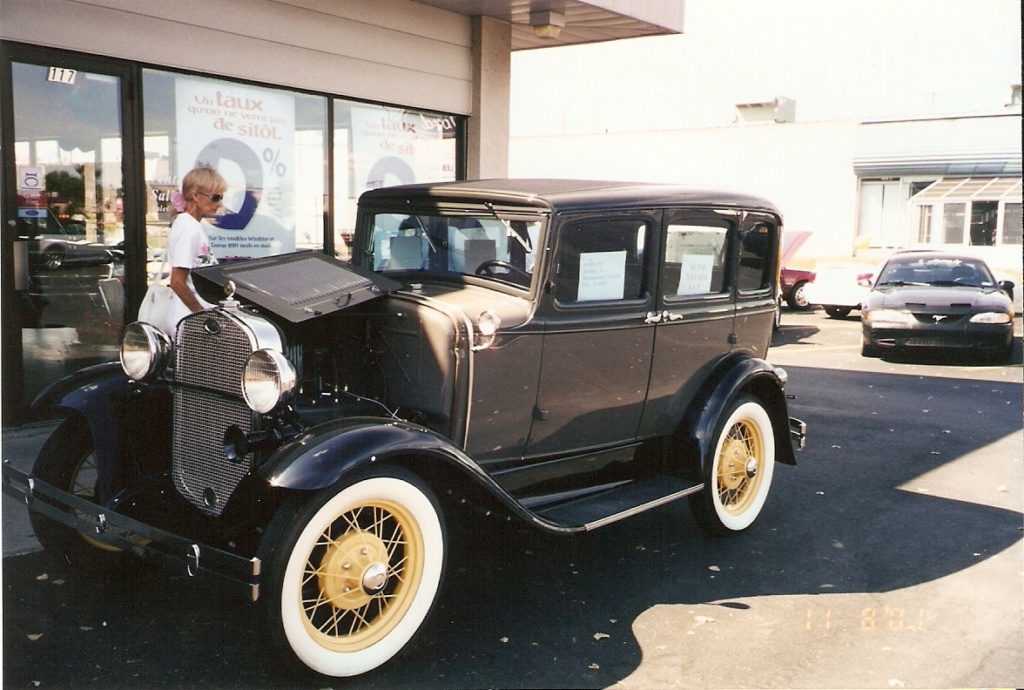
(559, 195)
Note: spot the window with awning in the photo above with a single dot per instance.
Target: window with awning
(977, 211)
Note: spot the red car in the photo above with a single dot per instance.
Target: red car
(794, 280)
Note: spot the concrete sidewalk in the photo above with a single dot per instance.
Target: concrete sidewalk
(20, 447)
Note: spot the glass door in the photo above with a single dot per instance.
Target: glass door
(66, 232)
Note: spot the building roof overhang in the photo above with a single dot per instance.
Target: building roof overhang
(550, 23)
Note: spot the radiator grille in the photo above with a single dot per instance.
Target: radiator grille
(210, 354)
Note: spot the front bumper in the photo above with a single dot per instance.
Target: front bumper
(989, 338)
(118, 530)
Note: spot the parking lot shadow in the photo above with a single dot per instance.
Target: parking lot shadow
(522, 609)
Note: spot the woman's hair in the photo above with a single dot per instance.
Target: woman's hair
(205, 180)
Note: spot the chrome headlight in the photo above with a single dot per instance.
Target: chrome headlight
(268, 380)
(895, 317)
(991, 317)
(487, 327)
(145, 351)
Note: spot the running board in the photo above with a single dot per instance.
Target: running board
(612, 505)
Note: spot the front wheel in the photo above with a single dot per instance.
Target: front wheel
(838, 312)
(797, 299)
(739, 474)
(67, 462)
(353, 572)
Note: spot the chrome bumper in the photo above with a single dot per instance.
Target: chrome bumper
(117, 530)
(798, 432)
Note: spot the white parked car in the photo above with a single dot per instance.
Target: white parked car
(840, 287)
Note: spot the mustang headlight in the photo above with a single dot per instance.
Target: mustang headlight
(991, 317)
(889, 316)
(268, 380)
(145, 351)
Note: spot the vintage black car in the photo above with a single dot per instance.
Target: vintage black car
(559, 352)
(938, 301)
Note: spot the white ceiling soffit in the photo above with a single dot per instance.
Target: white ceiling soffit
(584, 22)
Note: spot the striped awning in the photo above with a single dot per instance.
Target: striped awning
(961, 146)
(970, 189)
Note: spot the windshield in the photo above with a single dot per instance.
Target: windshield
(939, 272)
(483, 245)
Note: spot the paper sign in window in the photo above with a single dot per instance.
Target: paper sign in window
(479, 252)
(695, 274)
(406, 252)
(602, 276)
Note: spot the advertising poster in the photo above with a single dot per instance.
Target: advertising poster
(248, 135)
(393, 146)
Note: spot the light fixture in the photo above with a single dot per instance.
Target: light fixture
(547, 24)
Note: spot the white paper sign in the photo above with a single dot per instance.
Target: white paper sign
(602, 276)
(695, 274)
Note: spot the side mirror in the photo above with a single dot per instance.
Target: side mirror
(1007, 287)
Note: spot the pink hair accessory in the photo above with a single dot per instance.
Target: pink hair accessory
(178, 201)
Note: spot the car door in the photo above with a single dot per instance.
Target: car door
(757, 275)
(694, 310)
(597, 339)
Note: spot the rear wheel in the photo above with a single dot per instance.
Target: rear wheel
(738, 476)
(354, 572)
(838, 312)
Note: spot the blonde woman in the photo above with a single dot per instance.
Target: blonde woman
(188, 246)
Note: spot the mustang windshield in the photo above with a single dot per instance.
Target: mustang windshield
(482, 245)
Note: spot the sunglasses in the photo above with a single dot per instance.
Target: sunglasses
(215, 198)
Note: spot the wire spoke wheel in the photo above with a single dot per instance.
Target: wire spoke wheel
(353, 572)
(738, 474)
(361, 576)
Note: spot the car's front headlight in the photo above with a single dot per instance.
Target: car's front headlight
(893, 317)
(145, 351)
(991, 317)
(268, 380)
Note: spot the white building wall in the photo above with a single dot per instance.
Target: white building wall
(803, 168)
(394, 51)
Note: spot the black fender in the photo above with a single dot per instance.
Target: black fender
(324, 454)
(98, 394)
(740, 375)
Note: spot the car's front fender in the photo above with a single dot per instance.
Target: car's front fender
(324, 454)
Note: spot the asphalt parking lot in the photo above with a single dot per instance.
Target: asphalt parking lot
(891, 556)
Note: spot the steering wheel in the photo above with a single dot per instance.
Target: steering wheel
(487, 269)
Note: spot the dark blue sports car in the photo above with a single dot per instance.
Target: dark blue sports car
(927, 299)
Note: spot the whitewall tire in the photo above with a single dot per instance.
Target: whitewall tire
(354, 572)
(738, 475)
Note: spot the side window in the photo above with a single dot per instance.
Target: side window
(756, 243)
(695, 260)
(600, 261)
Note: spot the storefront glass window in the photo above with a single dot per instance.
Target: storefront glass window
(67, 236)
(268, 144)
(953, 223)
(1011, 224)
(380, 146)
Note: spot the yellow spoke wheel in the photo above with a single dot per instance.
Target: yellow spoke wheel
(353, 571)
(738, 472)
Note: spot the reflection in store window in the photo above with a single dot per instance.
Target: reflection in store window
(267, 143)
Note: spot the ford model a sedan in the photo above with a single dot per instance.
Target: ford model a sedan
(562, 353)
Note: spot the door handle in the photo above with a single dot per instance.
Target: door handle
(654, 317)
